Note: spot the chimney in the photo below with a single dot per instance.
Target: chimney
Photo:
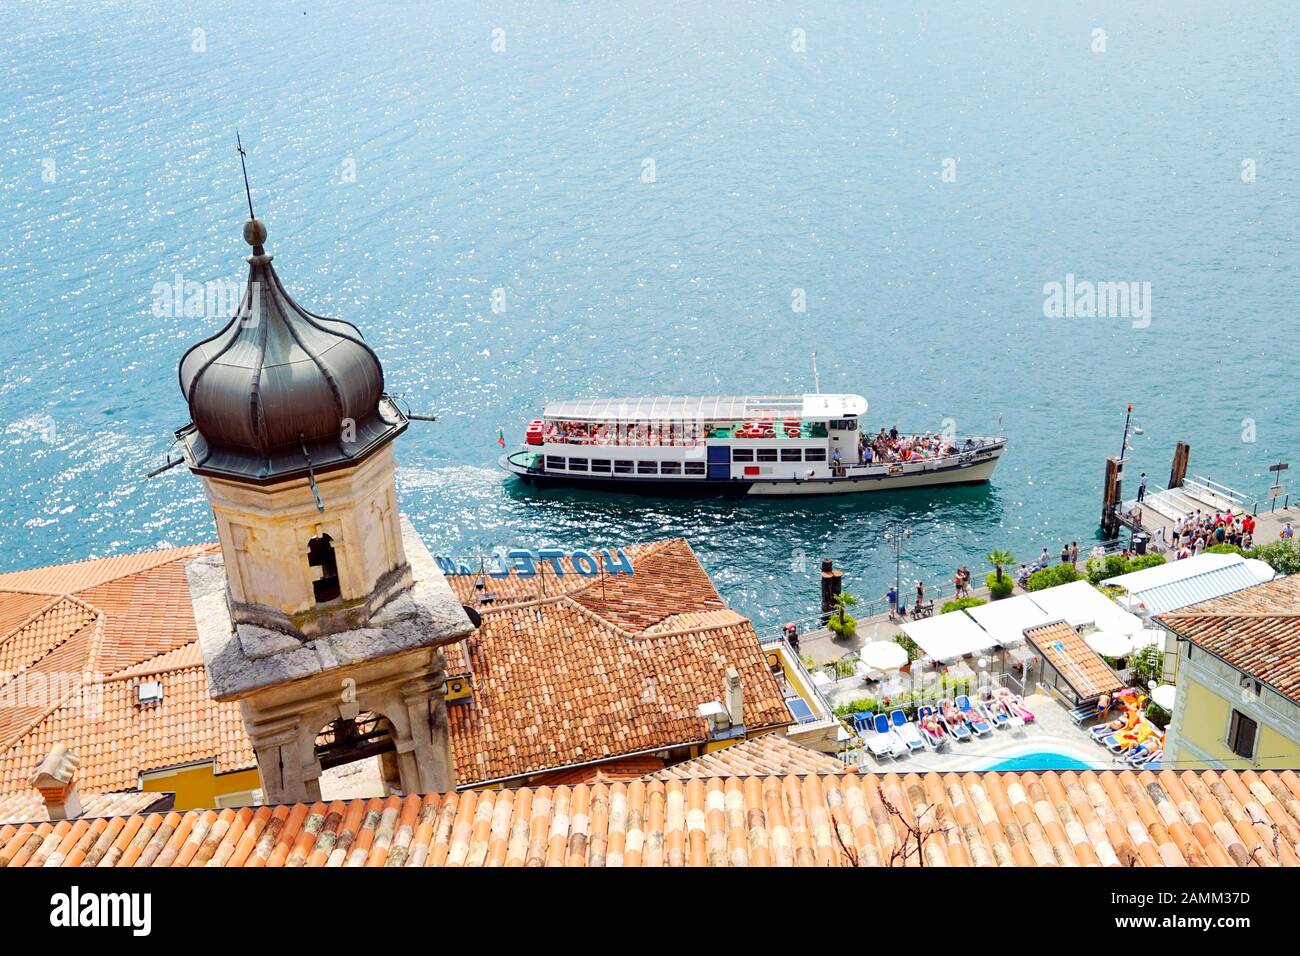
(55, 781)
(735, 698)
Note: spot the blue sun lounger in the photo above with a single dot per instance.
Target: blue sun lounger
(906, 730)
(973, 717)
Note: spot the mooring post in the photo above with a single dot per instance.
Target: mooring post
(1178, 471)
(832, 582)
(1110, 497)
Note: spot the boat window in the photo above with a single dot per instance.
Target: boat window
(577, 464)
(845, 424)
(554, 462)
(670, 467)
(814, 454)
(695, 468)
(742, 454)
(623, 467)
(791, 454)
(647, 467)
(767, 454)
(600, 464)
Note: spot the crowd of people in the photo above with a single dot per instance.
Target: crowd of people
(890, 446)
(1195, 531)
(621, 433)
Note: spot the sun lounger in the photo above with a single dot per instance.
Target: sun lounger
(935, 742)
(993, 713)
(1086, 712)
(906, 731)
(1015, 705)
(1101, 732)
(1141, 755)
(862, 721)
(886, 737)
(973, 717)
(958, 731)
(1113, 744)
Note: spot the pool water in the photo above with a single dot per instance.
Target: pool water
(1041, 760)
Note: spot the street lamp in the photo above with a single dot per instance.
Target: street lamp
(896, 533)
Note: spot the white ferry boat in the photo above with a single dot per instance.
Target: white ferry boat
(744, 445)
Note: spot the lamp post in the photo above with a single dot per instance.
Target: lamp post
(896, 533)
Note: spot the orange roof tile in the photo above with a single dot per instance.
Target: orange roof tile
(1077, 663)
(126, 618)
(773, 753)
(555, 686)
(30, 808)
(1256, 630)
(1051, 818)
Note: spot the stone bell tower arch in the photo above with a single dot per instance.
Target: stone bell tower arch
(323, 605)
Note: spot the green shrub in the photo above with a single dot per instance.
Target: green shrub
(1113, 565)
(1050, 577)
(843, 624)
(1157, 714)
(1149, 662)
(906, 643)
(999, 589)
(961, 604)
(1224, 549)
(1282, 556)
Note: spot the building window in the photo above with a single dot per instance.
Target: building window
(320, 554)
(742, 454)
(1241, 735)
(695, 468)
(790, 454)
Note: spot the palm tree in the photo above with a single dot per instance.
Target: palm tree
(843, 602)
(999, 559)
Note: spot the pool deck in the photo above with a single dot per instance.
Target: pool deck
(1052, 731)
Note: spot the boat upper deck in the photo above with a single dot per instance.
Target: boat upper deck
(709, 409)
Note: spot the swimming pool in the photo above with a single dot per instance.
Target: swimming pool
(1041, 760)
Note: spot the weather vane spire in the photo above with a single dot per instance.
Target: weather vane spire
(242, 165)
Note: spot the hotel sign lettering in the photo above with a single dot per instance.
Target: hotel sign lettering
(525, 563)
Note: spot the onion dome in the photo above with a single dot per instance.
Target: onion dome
(281, 392)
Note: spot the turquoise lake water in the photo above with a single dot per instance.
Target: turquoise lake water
(405, 170)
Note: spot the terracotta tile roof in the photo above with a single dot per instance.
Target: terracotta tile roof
(1112, 818)
(1078, 664)
(773, 753)
(555, 685)
(601, 670)
(595, 672)
(30, 808)
(1256, 630)
(516, 589)
(127, 618)
(83, 575)
(16, 607)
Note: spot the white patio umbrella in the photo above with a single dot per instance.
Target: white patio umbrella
(883, 655)
(1164, 696)
(1110, 643)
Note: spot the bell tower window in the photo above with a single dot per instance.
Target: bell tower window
(320, 554)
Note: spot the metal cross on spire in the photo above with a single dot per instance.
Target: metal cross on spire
(247, 192)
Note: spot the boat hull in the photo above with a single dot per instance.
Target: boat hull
(975, 473)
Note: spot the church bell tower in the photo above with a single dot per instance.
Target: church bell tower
(324, 613)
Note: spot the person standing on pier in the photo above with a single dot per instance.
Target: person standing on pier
(1142, 487)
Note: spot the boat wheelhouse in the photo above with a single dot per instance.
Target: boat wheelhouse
(738, 445)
